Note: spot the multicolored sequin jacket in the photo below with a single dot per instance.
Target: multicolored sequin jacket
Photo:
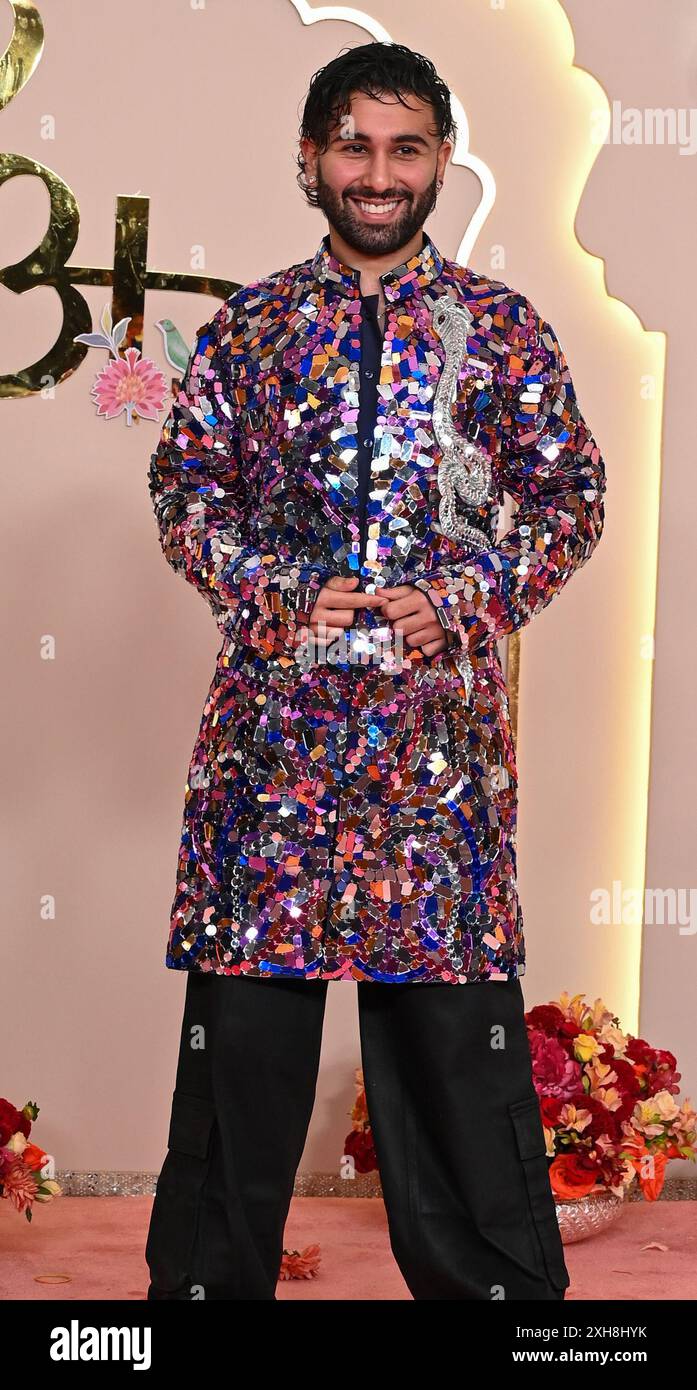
(351, 813)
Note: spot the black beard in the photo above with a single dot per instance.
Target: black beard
(374, 240)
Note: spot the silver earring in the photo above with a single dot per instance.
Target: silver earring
(311, 178)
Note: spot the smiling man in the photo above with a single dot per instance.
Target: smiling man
(330, 478)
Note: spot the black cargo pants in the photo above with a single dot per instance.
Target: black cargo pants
(455, 1121)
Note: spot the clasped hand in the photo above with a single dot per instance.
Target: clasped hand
(408, 611)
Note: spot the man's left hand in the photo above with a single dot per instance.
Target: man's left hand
(411, 612)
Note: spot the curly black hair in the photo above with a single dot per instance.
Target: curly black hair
(371, 68)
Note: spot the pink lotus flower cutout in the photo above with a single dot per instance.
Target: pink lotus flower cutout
(127, 383)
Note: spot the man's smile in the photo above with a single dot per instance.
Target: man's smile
(378, 210)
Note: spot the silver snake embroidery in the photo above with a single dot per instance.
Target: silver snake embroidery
(464, 470)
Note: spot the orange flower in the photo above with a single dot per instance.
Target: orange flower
(572, 1175)
(34, 1157)
(300, 1264)
(651, 1184)
(359, 1113)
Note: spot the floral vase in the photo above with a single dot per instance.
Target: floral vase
(580, 1217)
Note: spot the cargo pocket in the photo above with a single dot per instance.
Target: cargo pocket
(176, 1208)
(527, 1123)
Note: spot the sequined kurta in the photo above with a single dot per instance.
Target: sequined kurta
(350, 813)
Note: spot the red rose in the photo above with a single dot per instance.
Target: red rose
(546, 1017)
(550, 1107)
(359, 1145)
(12, 1120)
(574, 1175)
(637, 1050)
(666, 1076)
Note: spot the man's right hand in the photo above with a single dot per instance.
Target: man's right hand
(336, 606)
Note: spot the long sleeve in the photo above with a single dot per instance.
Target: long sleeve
(204, 505)
(552, 467)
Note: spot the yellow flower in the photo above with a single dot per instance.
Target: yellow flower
(585, 1047)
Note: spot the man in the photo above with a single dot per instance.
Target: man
(330, 478)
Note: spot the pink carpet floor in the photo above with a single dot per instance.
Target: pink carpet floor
(97, 1244)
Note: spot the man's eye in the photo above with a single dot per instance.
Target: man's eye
(411, 149)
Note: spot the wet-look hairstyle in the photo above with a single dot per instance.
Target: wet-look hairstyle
(373, 69)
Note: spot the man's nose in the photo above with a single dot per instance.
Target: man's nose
(379, 175)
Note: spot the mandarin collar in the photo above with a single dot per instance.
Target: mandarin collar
(416, 273)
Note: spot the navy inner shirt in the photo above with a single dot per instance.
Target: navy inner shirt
(369, 372)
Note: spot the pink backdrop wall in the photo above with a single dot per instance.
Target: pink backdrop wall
(198, 107)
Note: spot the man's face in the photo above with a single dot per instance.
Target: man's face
(376, 182)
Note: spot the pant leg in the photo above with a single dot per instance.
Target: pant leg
(245, 1088)
(459, 1140)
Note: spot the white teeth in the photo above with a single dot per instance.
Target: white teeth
(377, 207)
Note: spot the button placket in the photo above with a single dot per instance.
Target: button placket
(367, 415)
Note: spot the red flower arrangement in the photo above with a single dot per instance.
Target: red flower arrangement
(21, 1162)
(358, 1144)
(606, 1100)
